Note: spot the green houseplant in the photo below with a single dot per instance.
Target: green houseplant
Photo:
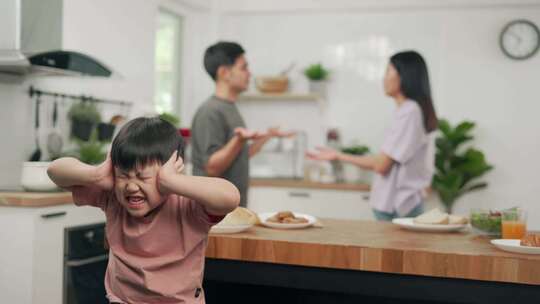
(352, 173)
(173, 119)
(91, 151)
(356, 150)
(317, 75)
(457, 167)
(316, 72)
(84, 117)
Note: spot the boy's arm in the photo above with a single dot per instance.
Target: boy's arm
(68, 172)
(217, 195)
(87, 183)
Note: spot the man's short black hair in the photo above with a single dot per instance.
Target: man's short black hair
(222, 53)
(145, 140)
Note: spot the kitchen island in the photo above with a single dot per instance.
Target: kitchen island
(350, 261)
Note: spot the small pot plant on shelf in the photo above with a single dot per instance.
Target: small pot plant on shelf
(317, 75)
(352, 173)
(457, 168)
(84, 117)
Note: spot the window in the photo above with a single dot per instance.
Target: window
(167, 63)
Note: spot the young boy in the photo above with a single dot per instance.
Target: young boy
(157, 219)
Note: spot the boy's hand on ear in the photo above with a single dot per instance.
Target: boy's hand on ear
(104, 174)
(171, 168)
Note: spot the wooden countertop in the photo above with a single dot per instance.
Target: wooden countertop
(296, 183)
(35, 199)
(380, 247)
(43, 199)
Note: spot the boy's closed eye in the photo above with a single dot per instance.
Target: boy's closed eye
(145, 176)
(140, 175)
(122, 175)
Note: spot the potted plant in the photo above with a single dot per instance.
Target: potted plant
(354, 173)
(356, 150)
(317, 76)
(92, 152)
(457, 168)
(173, 119)
(105, 131)
(84, 116)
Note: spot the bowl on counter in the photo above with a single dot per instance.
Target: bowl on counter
(34, 177)
(486, 222)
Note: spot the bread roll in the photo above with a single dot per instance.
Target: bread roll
(457, 220)
(432, 217)
(239, 216)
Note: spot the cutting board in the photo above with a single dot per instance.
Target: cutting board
(35, 199)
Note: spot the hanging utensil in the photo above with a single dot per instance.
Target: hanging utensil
(36, 155)
(54, 139)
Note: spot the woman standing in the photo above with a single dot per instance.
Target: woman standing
(404, 167)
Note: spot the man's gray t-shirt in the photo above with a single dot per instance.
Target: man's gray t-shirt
(213, 126)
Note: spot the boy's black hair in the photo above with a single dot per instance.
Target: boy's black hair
(222, 53)
(145, 140)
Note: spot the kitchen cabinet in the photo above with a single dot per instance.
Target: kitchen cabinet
(42, 23)
(32, 255)
(326, 203)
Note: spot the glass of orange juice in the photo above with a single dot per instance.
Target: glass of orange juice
(514, 223)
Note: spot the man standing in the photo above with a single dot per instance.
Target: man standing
(219, 134)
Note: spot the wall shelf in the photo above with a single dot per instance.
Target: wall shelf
(279, 97)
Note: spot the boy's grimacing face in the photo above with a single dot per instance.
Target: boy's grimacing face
(137, 189)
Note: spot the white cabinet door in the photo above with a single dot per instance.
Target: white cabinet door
(32, 252)
(48, 270)
(320, 203)
(16, 233)
(49, 256)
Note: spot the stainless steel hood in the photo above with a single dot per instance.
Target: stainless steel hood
(55, 62)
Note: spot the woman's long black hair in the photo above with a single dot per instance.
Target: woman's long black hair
(412, 70)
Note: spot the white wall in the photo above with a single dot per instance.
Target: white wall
(119, 33)
(470, 76)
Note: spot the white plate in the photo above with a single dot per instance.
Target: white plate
(264, 217)
(514, 246)
(227, 229)
(408, 223)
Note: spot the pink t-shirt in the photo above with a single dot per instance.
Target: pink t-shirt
(157, 259)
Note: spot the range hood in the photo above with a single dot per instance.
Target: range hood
(54, 62)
